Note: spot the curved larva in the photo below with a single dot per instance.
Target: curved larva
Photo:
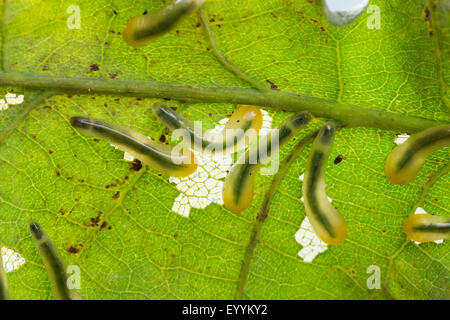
(145, 28)
(327, 222)
(241, 129)
(4, 293)
(426, 227)
(237, 189)
(55, 266)
(405, 161)
(158, 156)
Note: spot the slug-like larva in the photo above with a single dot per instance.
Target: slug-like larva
(328, 224)
(240, 130)
(4, 293)
(160, 157)
(426, 227)
(56, 268)
(406, 159)
(145, 28)
(237, 189)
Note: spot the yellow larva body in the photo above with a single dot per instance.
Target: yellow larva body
(405, 161)
(237, 190)
(4, 293)
(241, 129)
(328, 224)
(426, 227)
(145, 28)
(173, 161)
(55, 266)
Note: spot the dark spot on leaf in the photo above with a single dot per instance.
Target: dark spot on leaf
(173, 108)
(167, 99)
(272, 85)
(116, 195)
(175, 235)
(322, 29)
(427, 13)
(212, 20)
(103, 225)
(94, 67)
(198, 25)
(110, 185)
(73, 250)
(58, 173)
(50, 151)
(126, 177)
(136, 165)
(338, 159)
(162, 138)
(113, 75)
(145, 12)
(115, 12)
(61, 212)
(44, 68)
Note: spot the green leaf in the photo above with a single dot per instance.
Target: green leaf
(116, 222)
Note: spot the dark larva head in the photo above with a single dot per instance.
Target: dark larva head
(168, 116)
(326, 134)
(36, 230)
(81, 122)
(300, 119)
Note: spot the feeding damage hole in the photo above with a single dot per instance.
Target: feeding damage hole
(9, 100)
(12, 260)
(204, 186)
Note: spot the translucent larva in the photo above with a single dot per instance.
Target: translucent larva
(328, 224)
(145, 28)
(240, 130)
(237, 190)
(55, 266)
(426, 227)
(405, 161)
(4, 293)
(176, 162)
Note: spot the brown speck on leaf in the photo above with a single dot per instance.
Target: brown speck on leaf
(212, 20)
(198, 25)
(113, 75)
(145, 12)
(103, 225)
(94, 67)
(162, 138)
(44, 68)
(115, 12)
(116, 195)
(58, 173)
(136, 165)
(50, 151)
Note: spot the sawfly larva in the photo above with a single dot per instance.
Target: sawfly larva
(405, 161)
(55, 266)
(328, 224)
(163, 158)
(426, 227)
(242, 127)
(4, 293)
(145, 28)
(237, 189)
